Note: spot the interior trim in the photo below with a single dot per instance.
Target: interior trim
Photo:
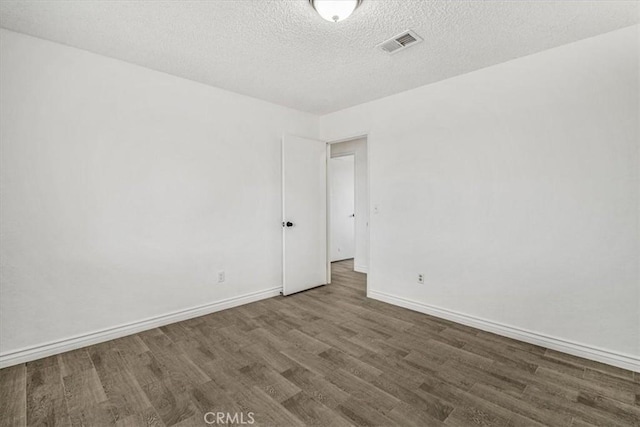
(28, 354)
(621, 360)
(361, 268)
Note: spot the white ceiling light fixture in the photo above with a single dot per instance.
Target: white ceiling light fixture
(335, 10)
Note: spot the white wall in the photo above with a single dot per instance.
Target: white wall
(342, 203)
(514, 189)
(358, 147)
(125, 191)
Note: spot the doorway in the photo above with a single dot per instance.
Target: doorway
(306, 211)
(348, 231)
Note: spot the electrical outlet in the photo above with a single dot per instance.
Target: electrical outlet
(221, 276)
(421, 278)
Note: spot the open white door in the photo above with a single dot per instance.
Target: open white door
(304, 214)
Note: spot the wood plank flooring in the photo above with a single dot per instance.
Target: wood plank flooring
(325, 357)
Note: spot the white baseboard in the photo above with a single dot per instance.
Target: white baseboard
(361, 268)
(620, 360)
(37, 352)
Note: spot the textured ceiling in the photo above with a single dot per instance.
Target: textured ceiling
(282, 51)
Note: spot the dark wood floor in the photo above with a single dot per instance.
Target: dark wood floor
(326, 357)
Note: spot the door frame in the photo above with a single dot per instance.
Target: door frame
(363, 135)
(359, 135)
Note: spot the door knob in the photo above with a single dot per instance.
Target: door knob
(287, 224)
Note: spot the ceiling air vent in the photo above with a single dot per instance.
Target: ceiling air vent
(400, 42)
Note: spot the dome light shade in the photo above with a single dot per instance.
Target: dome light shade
(335, 10)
